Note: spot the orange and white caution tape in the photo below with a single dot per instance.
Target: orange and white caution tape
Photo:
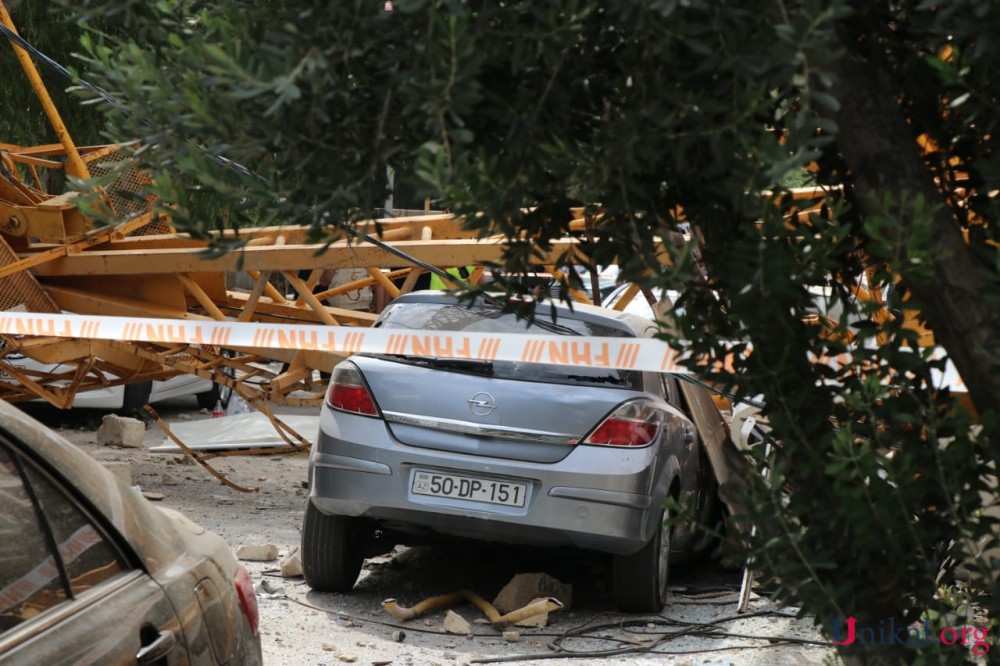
(645, 354)
(597, 352)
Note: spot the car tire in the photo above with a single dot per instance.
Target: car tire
(640, 579)
(331, 551)
(223, 393)
(135, 396)
(207, 399)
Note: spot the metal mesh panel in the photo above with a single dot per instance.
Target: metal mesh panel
(21, 291)
(126, 193)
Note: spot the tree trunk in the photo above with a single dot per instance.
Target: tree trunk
(882, 154)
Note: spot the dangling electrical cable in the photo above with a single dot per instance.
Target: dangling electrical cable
(224, 161)
(108, 97)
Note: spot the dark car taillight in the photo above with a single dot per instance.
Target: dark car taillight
(248, 598)
(635, 423)
(348, 392)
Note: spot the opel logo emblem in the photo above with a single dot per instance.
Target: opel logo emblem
(482, 404)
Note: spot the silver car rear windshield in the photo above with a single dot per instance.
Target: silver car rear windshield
(487, 319)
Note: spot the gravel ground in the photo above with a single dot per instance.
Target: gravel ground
(299, 626)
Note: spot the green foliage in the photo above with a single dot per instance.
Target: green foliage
(522, 109)
(23, 122)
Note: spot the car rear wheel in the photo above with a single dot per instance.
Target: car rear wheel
(135, 396)
(640, 579)
(331, 551)
(207, 399)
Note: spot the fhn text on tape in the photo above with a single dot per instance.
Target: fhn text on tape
(644, 354)
(594, 352)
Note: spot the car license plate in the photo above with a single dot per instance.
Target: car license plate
(490, 491)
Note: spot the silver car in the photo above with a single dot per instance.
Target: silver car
(93, 573)
(414, 448)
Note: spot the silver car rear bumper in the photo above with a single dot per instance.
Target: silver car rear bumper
(567, 503)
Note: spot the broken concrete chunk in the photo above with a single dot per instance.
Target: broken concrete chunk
(121, 431)
(456, 624)
(169, 479)
(523, 588)
(511, 636)
(257, 552)
(291, 565)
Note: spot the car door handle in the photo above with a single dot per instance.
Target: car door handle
(158, 649)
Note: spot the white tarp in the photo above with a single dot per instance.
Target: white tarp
(241, 431)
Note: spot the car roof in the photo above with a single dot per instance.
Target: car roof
(638, 326)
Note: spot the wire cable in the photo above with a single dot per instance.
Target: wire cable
(108, 97)
(223, 161)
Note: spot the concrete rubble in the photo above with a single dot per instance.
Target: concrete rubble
(524, 588)
(169, 479)
(257, 552)
(291, 565)
(121, 431)
(456, 624)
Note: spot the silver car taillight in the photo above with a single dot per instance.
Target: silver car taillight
(248, 598)
(634, 423)
(348, 393)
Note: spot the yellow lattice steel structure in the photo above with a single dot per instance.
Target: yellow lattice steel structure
(54, 257)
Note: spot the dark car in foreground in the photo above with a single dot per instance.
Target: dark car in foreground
(93, 573)
(414, 448)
